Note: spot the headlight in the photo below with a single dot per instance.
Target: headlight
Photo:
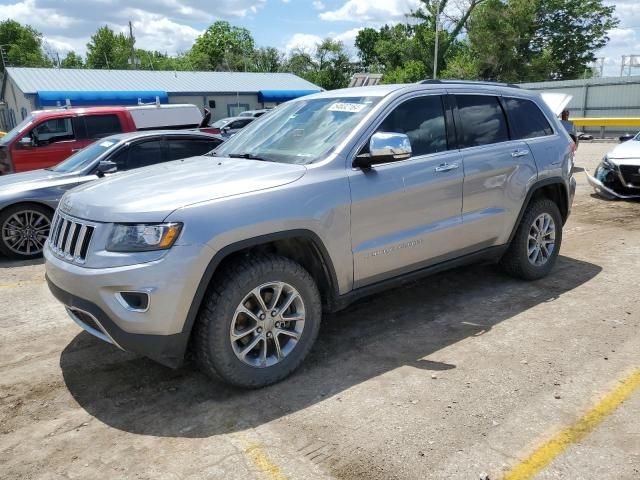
(143, 237)
(606, 163)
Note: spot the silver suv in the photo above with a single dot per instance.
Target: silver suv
(328, 198)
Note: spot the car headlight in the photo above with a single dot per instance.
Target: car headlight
(143, 237)
(606, 163)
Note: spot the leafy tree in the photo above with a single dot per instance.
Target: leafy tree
(72, 60)
(108, 49)
(328, 66)
(223, 47)
(23, 45)
(267, 59)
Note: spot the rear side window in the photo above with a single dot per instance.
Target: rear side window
(483, 121)
(190, 147)
(99, 126)
(422, 120)
(527, 121)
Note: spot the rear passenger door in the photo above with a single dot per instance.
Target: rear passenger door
(498, 169)
(140, 154)
(405, 214)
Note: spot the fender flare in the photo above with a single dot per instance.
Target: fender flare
(534, 188)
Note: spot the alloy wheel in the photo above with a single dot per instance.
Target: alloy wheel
(267, 325)
(25, 232)
(542, 240)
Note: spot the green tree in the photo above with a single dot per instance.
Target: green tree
(328, 66)
(108, 49)
(72, 60)
(223, 47)
(23, 45)
(267, 59)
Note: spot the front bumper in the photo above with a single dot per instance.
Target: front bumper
(92, 297)
(609, 183)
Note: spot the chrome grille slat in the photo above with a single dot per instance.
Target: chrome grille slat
(70, 238)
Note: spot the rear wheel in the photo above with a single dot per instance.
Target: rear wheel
(535, 246)
(258, 322)
(23, 230)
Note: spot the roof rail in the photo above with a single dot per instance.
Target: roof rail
(468, 82)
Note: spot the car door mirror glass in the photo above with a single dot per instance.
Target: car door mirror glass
(385, 147)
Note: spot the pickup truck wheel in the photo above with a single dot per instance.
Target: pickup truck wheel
(23, 231)
(535, 246)
(258, 322)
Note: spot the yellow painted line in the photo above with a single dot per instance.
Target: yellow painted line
(260, 459)
(606, 122)
(546, 453)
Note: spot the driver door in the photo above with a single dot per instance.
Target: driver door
(405, 214)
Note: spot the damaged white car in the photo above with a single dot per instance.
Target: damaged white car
(618, 175)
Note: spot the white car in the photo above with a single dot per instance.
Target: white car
(618, 175)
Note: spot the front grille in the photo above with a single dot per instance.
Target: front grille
(70, 238)
(631, 174)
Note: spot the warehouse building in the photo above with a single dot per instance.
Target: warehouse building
(225, 94)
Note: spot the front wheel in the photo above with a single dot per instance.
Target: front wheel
(259, 321)
(535, 246)
(23, 230)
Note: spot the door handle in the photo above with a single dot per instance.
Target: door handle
(519, 153)
(445, 167)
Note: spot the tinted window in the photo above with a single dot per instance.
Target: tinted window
(483, 120)
(240, 123)
(99, 126)
(527, 119)
(422, 120)
(51, 131)
(143, 154)
(190, 147)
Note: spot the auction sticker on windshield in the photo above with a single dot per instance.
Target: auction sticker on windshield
(347, 107)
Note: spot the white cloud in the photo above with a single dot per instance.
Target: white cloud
(318, 5)
(303, 41)
(368, 11)
(625, 39)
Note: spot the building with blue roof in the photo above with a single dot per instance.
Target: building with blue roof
(225, 94)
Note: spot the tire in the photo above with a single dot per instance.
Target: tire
(219, 354)
(517, 261)
(19, 242)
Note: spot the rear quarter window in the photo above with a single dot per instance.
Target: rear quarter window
(526, 119)
(99, 126)
(483, 120)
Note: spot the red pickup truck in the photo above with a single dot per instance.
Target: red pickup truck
(47, 137)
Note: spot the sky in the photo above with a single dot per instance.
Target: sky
(172, 25)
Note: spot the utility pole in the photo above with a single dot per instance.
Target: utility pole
(133, 50)
(435, 50)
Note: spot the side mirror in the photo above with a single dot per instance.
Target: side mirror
(106, 166)
(384, 147)
(26, 142)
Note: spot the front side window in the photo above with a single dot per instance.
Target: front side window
(422, 120)
(527, 119)
(300, 131)
(51, 131)
(99, 126)
(482, 118)
(240, 123)
(143, 154)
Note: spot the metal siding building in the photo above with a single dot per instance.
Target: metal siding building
(598, 97)
(27, 89)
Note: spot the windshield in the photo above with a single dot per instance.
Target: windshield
(221, 123)
(17, 130)
(302, 131)
(84, 158)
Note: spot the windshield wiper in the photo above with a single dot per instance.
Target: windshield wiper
(249, 156)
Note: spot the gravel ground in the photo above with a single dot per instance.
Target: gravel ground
(458, 375)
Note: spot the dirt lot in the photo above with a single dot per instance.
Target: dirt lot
(457, 376)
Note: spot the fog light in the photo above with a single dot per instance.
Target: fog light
(135, 301)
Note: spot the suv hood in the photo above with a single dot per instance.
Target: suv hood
(627, 153)
(150, 194)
